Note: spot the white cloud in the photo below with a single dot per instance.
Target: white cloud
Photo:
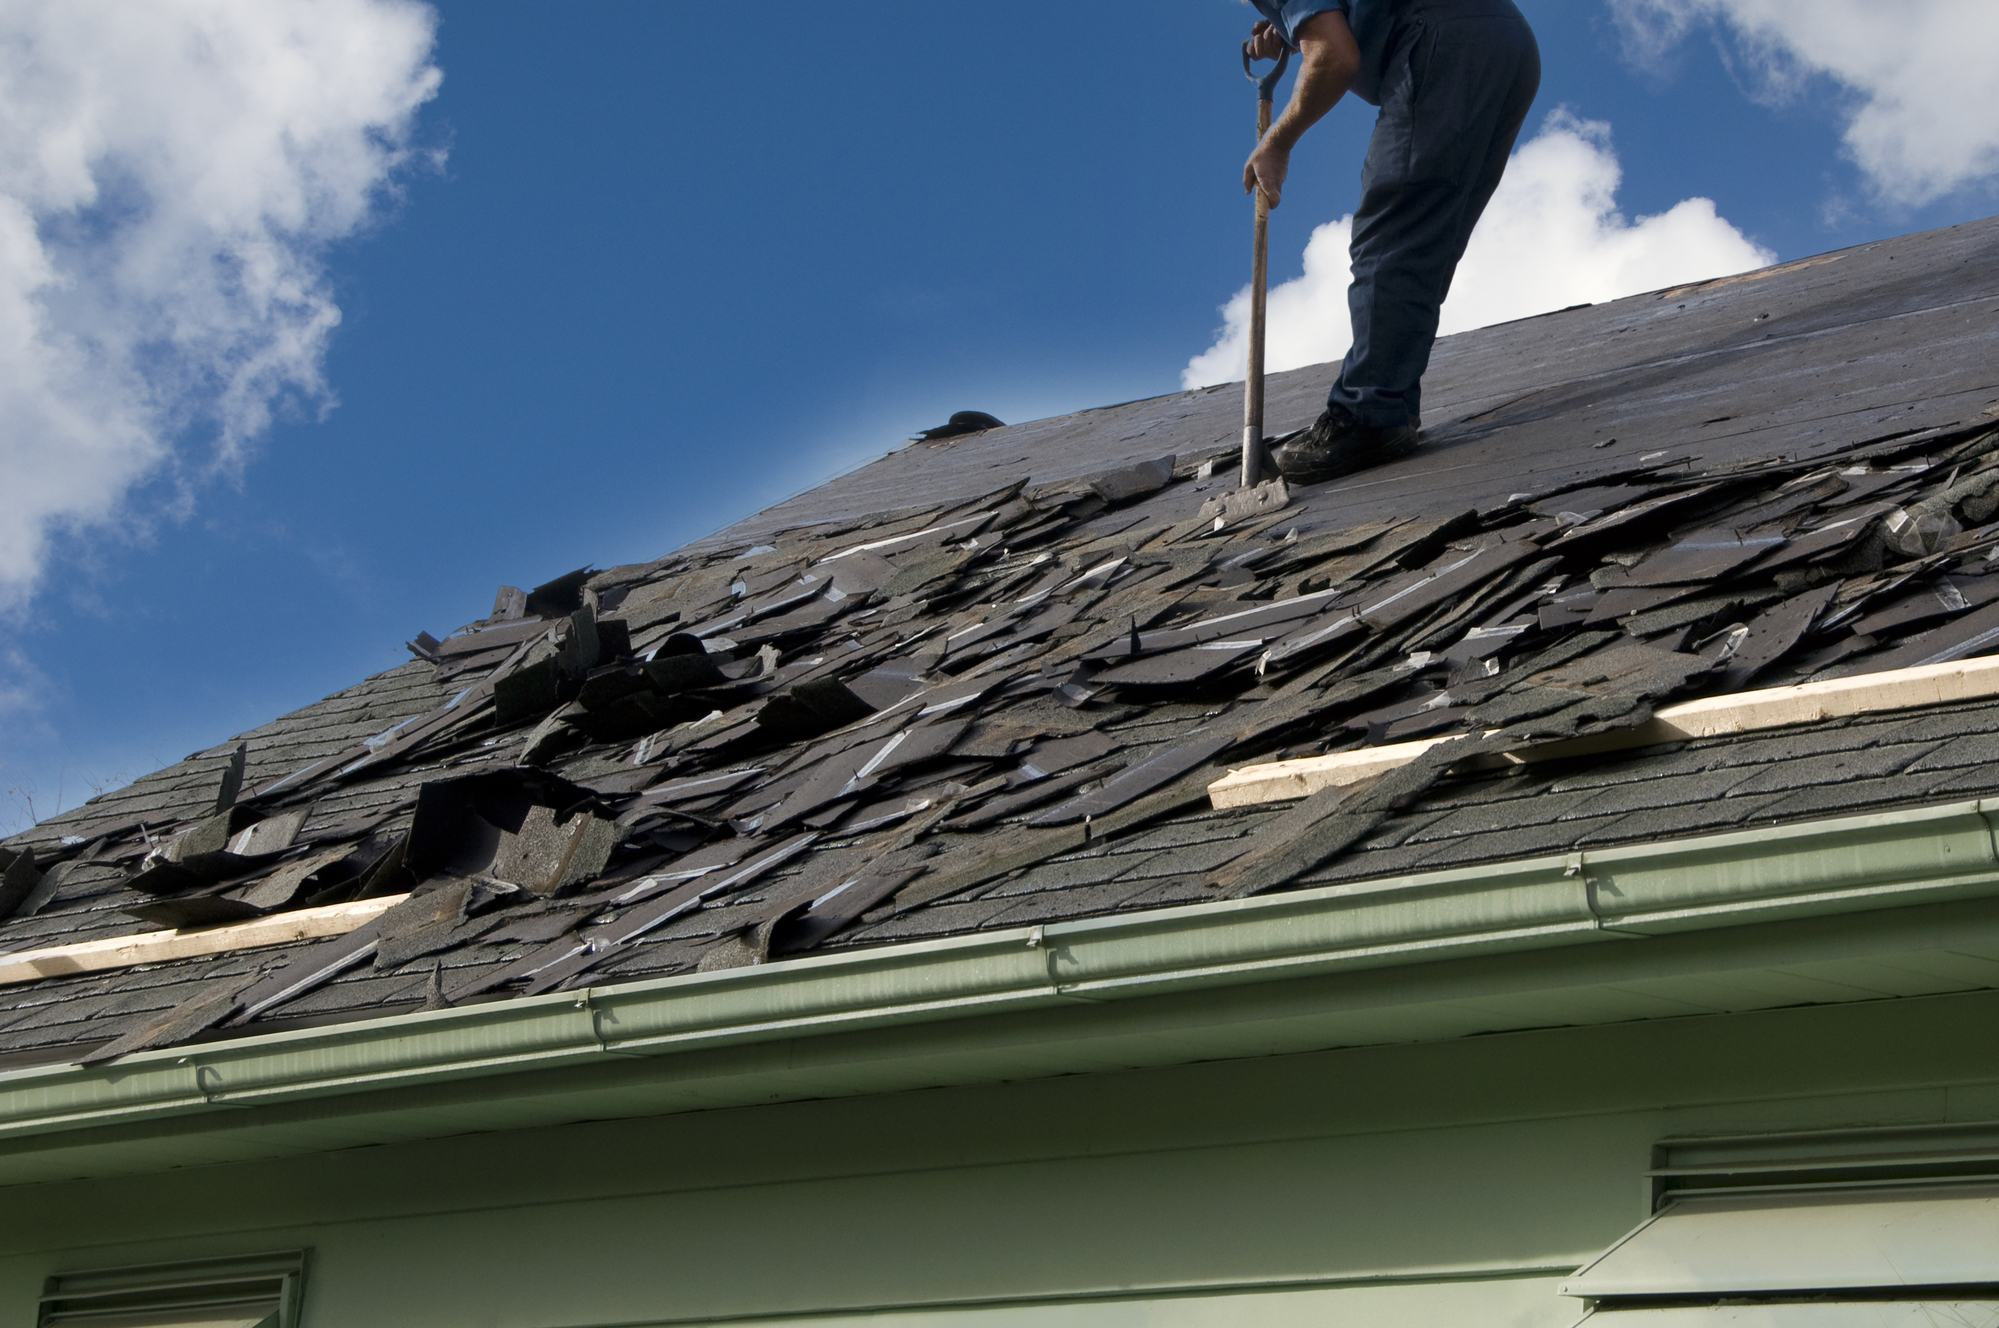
(171, 174)
(1551, 237)
(1922, 111)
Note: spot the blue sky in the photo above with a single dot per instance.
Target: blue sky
(641, 269)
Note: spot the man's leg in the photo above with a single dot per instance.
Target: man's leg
(1463, 77)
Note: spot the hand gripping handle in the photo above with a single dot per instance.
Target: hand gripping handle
(1266, 84)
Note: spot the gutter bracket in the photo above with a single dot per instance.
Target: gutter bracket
(594, 1015)
(1988, 808)
(1038, 940)
(208, 1083)
(1576, 867)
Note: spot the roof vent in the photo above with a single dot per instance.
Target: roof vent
(1882, 1227)
(255, 1291)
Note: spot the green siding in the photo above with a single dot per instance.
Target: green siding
(1439, 1183)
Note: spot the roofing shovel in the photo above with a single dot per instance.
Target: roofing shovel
(1252, 387)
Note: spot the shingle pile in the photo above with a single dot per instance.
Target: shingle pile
(736, 755)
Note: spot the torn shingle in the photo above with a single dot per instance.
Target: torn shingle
(1137, 780)
(1773, 634)
(1133, 481)
(1699, 558)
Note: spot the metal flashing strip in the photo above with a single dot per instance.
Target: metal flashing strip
(1856, 864)
(1707, 717)
(158, 947)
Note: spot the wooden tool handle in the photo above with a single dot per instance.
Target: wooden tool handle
(1252, 387)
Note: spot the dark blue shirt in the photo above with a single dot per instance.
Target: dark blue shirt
(1371, 21)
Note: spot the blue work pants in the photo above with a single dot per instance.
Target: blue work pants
(1460, 77)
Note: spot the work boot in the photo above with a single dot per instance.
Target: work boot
(1339, 444)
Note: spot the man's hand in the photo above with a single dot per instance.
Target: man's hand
(1265, 42)
(1267, 166)
(1330, 62)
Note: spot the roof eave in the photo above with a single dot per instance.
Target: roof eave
(1099, 993)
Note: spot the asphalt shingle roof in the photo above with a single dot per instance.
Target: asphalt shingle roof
(985, 681)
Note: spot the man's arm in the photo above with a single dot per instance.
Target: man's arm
(1330, 63)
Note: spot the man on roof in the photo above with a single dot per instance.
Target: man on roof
(1453, 79)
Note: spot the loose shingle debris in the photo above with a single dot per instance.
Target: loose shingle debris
(736, 755)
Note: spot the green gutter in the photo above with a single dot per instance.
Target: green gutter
(1616, 895)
